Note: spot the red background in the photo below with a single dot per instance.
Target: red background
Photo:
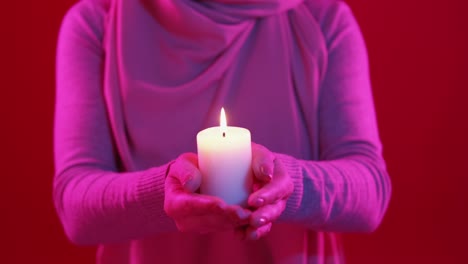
(419, 69)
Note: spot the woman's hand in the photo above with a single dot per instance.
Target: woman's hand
(272, 187)
(194, 212)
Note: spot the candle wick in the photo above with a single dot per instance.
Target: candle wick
(224, 134)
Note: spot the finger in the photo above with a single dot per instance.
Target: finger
(279, 188)
(253, 233)
(193, 183)
(182, 203)
(267, 214)
(184, 173)
(256, 186)
(238, 215)
(174, 184)
(262, 162)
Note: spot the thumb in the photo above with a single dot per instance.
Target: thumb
(193, 183)
(262, 162)
(185, 173)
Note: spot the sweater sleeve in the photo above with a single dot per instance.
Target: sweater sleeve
(96, 203)
(348, 189)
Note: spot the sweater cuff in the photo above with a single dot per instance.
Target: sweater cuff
(293, 169)
(150, 198)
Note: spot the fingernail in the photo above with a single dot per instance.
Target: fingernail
(259, 202)
(187, 180)
(261, 221)
(265, 172)
(243, 214)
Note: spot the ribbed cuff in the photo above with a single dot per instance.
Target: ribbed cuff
(293, 203)
(150, 197)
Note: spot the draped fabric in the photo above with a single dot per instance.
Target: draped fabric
(190, 58)
(260, 59)
(136, 81)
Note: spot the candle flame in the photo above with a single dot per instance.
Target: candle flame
(223, 122)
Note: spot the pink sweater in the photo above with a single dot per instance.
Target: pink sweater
(137, 79)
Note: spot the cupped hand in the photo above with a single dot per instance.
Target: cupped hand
(272, 187)
(194, 212)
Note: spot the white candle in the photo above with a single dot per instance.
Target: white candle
(224, 159)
